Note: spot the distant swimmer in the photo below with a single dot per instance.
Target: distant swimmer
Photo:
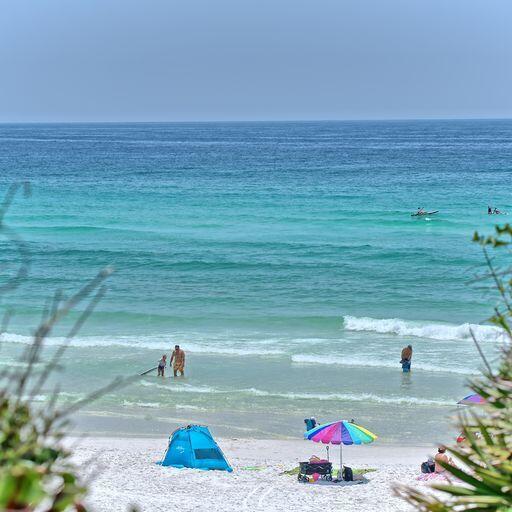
(178, 356)
(406, 358)
(161, 366)
(494, 211)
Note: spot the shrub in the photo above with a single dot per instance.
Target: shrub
(483, 482)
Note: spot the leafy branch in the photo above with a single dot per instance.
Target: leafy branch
(35, 469)
(483, 483)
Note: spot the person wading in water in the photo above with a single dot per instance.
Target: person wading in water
(405, 361)
(178, 356)
(161, 366)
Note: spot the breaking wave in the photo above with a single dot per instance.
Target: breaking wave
(187, 407)
(344, 397)
(353, 397)
(148, 405)
(439, 331)
(150, 344)
(182, 388)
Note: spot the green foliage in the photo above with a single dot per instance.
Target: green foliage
(32, 473)
(35, 469)
(36, 474)
(482, 479)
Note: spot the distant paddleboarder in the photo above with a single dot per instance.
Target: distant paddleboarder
(421, 212)
(406, 358)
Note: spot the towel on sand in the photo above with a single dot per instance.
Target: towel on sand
(342, 483)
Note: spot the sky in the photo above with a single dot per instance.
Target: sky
(194, 60)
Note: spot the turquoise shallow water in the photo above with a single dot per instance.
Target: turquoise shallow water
(282, 256)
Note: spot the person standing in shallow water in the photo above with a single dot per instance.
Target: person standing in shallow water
(161, 366)
(405, 361)
(178, 356)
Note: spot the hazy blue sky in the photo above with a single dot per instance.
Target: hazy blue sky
(254, 59)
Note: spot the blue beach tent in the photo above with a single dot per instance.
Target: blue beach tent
(194, 447)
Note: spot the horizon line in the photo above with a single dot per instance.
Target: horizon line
(349, 120)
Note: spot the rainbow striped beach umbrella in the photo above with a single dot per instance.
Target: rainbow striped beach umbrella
(340, 432)
(474, 399)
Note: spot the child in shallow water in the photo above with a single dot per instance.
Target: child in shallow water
(161, 366)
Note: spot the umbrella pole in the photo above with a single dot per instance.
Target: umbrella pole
(341, 461)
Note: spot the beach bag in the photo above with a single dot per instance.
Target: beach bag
(427, 467)
(348, 475)
(310, 423)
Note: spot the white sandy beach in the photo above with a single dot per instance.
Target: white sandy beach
(122, 472)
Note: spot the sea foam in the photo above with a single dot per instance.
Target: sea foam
(342, 397)
(435, 331)
(366, 362)
(156, 343)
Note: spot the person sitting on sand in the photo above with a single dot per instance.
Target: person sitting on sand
(441, 457)
(406, 358)
(161, 366)
(178, 356)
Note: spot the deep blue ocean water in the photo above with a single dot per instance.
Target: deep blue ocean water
(282, 256)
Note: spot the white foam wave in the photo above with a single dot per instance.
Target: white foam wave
(181, 388)
(137, 342)
(348, 397)
(18, 364)
(307, 341)
(149, 405)
(368, 397)
(60, 395)
(187, 407)
(37, 398)
(376, 363)
(437, 331)
(344, 397)
(71, 396)
(256, 392)
(230, 351)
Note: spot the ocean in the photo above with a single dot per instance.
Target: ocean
(281, 256)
